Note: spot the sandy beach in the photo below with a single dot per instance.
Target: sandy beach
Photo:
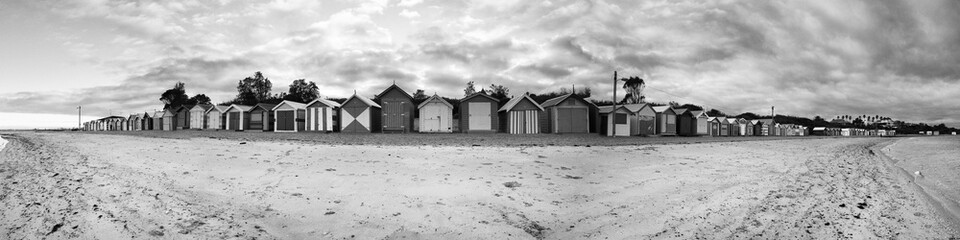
(104, 186)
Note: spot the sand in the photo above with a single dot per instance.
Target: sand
(934, 163)
(61, 185)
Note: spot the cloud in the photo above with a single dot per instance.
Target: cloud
(409, 3)
(409, 14)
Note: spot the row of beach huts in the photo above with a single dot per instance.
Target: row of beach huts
(393, 111)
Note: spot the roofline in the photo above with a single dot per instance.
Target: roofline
(394, 85)
(285, 101)
(435, 96)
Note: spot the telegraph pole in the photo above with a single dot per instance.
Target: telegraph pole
(79, 121)
(613, 113)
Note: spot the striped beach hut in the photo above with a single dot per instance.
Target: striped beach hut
(198, 115)
(397, 110)
(644, 120)
(615, 122)
(183, 117)
(261, 117)
(322, 115)
(216, 117)
(766, 127)
(290, 116)
(666, 120)
(436, 115)
(478, 113)
(566, 114)
(238, 117)
(521, 115)
(360, 115)
(169, 120)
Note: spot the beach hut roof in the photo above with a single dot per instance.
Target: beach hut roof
(731, 120)
(391, 87)
(755, 122)
(660, 109)
(679, 111)
(365, 100)
(513, 103)
(699, 113)
(218, 108)
(188, 107)
(324, 102)
(242, 108)
(292, 104)
(609, 109)
(169, 112)
(766, 121)
(557, 100)
(636, 107)
(435, 97)
(479, 94)
(205, 107)
(264, 106)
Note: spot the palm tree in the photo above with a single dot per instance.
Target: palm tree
(634, 87)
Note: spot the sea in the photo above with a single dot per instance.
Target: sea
(3, 143)
(934, 163)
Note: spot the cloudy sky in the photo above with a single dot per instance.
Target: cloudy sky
(895, 58)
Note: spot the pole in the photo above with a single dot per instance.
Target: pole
(79, 121)
(613, 113)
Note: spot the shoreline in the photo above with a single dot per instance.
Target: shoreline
(948, 209)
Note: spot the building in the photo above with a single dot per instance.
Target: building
(238, 117)
(397, 110)
(566, 114)
(169, 120)
(521, 115)
(216, 118)
(290, 116)
(183, 117)
(666, 120)
(436, 115)
(360, 115)
(615, 123)
(687, 123)
(261, 117)
(198, 116)
(322, 116)
(703, 128)
(478, 113)
(644, 119)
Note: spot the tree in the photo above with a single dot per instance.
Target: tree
(674, 104)
(715, 113)
(420, 95)
(634, 87)
(302, 91)
(499, 91)
(469, 90)
(253, 89)
(199, 99)
(174, 97)
(858, 122)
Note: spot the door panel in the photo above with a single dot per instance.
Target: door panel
(479, 115)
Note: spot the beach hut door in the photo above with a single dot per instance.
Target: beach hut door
(479, 116)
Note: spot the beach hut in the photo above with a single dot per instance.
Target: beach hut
(360, 115)
(521, 115)
(748, 127)
(238, 117)
(478, 113)
(216, 117)
(566, 114)
(713, 127)
(757, 127)
(198, 115)
(618, 119)
(686, 123)
(322, 115)
(703, 127)
(182, 117)
(169, 120)
(733, 127)
(397, 110)
(766, 127)
(436, 115)
(644, 119)
(666, 120)
(290, 116)
(261, 117)
(134, 121)
(157, 118)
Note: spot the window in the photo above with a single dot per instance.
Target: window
(619, 118)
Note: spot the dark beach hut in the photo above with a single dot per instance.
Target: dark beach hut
(397, 110)
(322, 116)
(733, 126)
(238, 117)
(360, 115)
(478, 113)
(261, 117)
(290, 116)
(146, 121)
(666, 121)
(767, 127)
(520, 115)
(757, 127)
(566, 114)
(687, 123)
(183, 117)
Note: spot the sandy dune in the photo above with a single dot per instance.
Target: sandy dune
(62, 185)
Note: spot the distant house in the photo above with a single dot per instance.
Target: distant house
(666, 121)
(360, 115)
(238, 117)
(290, 116)
(478, 113)
(397, 109)
(261, 117)
(436, 115)
(216, 118)
(521, 115)
(198, 117)
(183, 117)
(566, 114)
(322, 115)
(615, 121)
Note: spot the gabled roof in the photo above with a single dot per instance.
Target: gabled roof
(218, 108)
(264, 106)
(513, 103)
(324, 101)
(609, 109)
(365, 100)
(205, 107)
(188, 107)
(295, 105)
(146, 115)
(636, 107)
(170, 112)
(679, 111)
(699, 113)
(394, 86)
(660, 109)
(435, 97)
(479, 94)
(242, 108)
(157, 114)
(766, 121)
(732, 120)
(754, 122)
(557, 100)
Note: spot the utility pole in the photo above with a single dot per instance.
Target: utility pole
(79, 121)
(613, 113)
